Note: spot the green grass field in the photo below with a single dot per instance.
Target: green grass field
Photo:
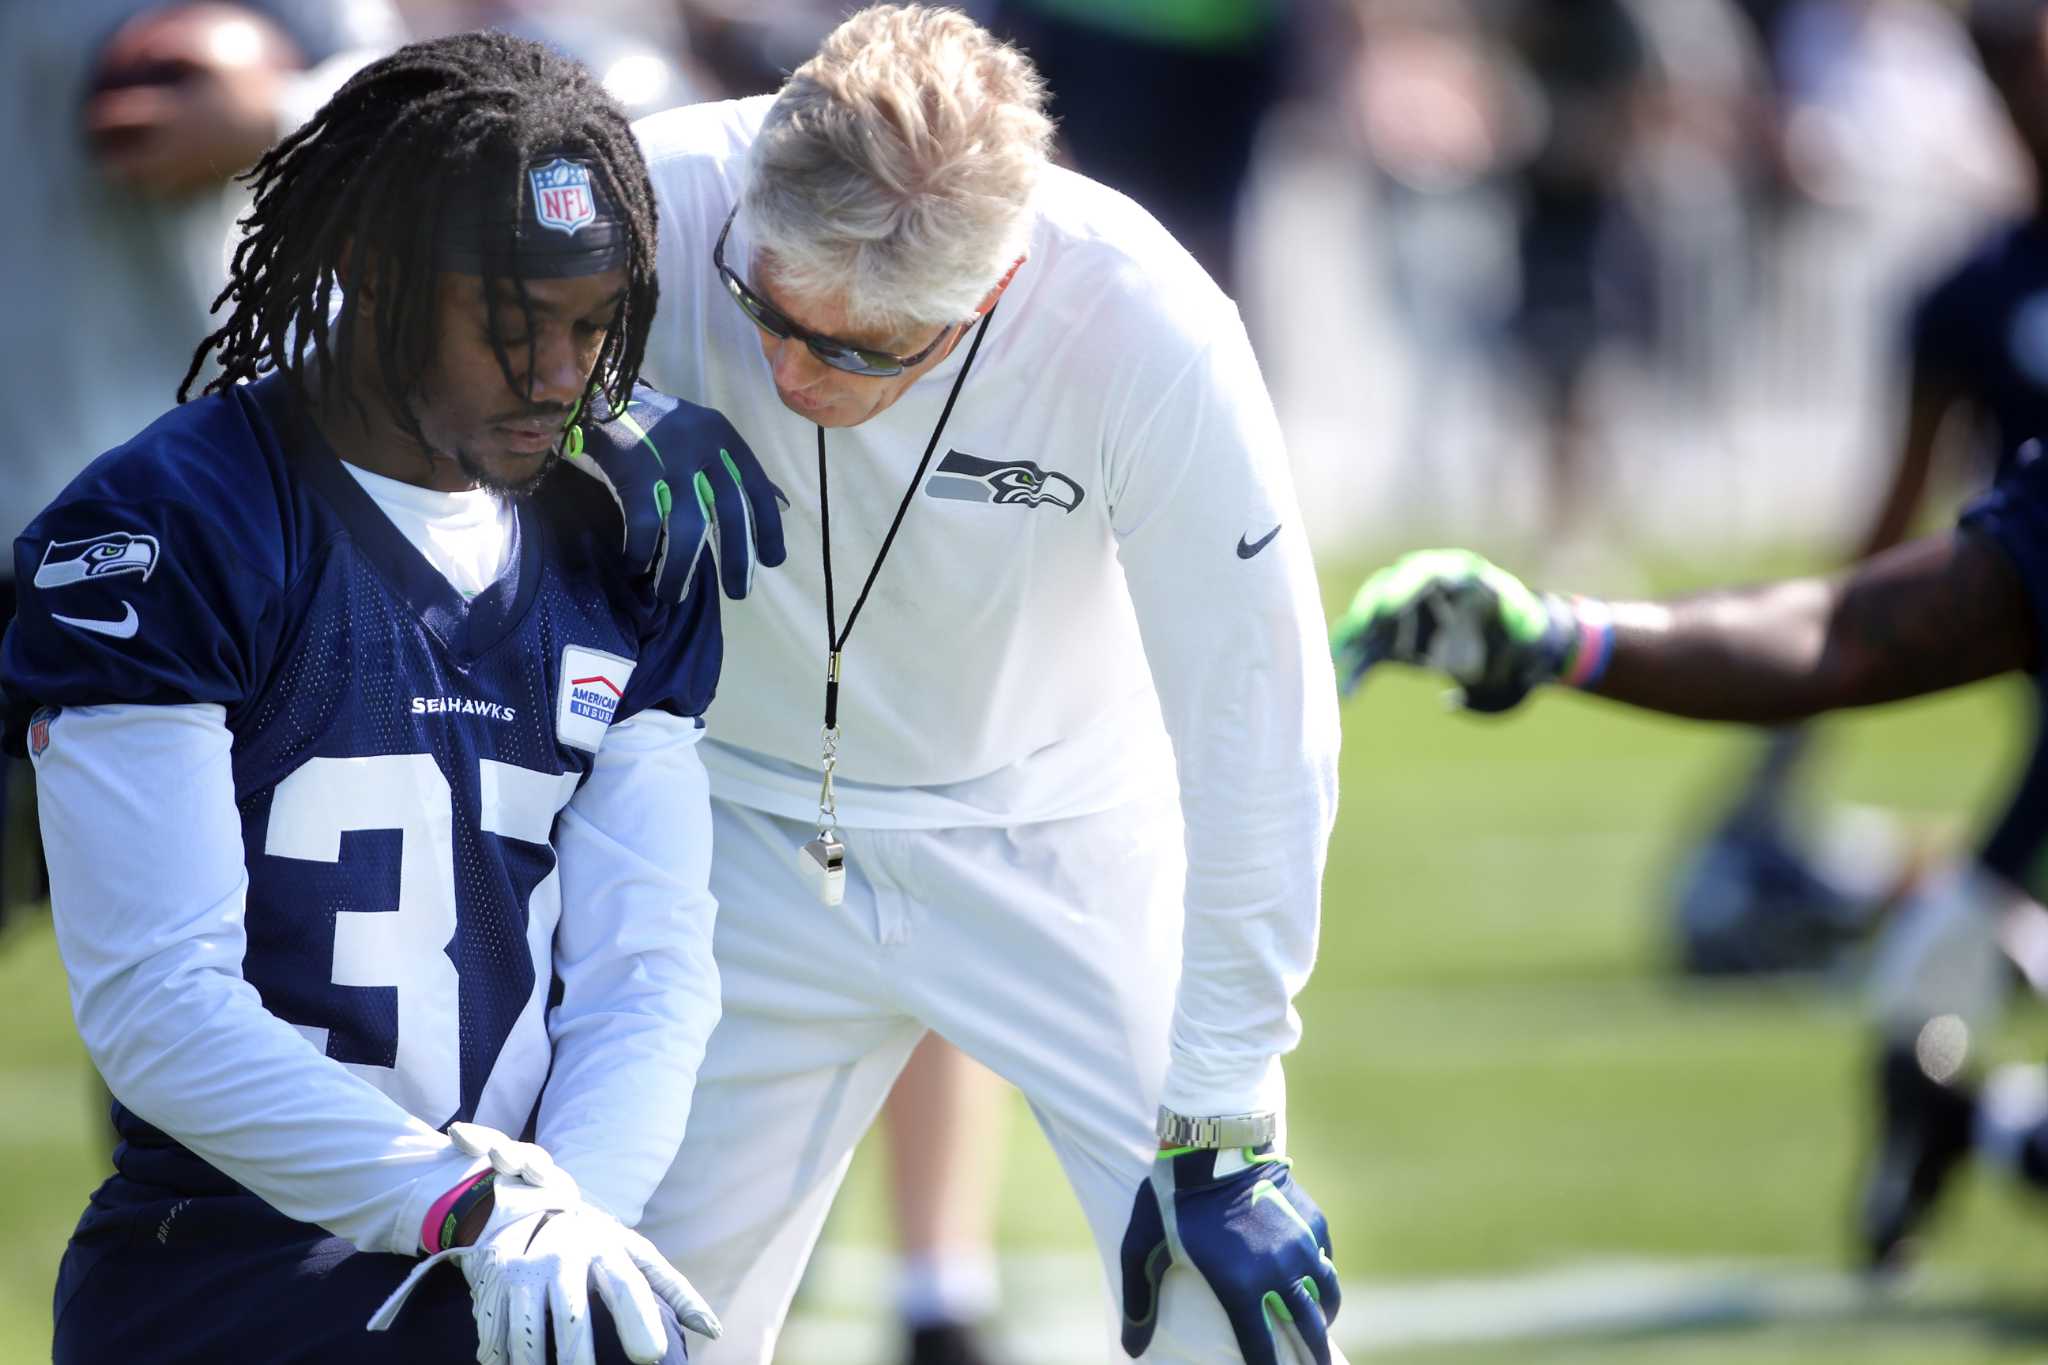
(1500, 1077)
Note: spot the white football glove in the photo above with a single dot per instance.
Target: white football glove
(537, 1258)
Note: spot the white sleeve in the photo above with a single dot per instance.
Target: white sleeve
(633, 954)
(1234, 633)
(147, 888)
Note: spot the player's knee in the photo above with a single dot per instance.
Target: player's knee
(436, 1324)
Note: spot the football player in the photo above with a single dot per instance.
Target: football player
(366, 734)
(1055, 611)
(1929, 614)
(1978, 364)
(1979, 351)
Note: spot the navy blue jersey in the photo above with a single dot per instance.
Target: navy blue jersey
(1984, 330)
(2014, 516)
(399, 753)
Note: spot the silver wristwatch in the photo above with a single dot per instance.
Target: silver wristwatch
(1222, 1130)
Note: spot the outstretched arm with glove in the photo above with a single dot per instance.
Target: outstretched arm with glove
(1931, 614)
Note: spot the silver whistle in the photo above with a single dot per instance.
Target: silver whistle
(822, 865)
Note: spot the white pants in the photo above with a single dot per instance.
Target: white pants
(1050, 952)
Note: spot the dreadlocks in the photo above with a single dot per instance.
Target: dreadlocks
(366, 186)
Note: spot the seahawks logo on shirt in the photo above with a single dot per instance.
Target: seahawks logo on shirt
(963, 478)
(75, 561)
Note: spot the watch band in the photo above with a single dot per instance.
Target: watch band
(1218, 1131)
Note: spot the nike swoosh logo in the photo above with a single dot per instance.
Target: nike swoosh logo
(122, 629)
(1245, 550)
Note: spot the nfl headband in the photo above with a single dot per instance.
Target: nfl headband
(565, 225)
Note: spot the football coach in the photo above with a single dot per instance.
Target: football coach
(1032, 741)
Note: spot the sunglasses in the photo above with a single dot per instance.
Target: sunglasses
(840, 355)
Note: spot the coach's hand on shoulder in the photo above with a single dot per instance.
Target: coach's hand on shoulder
(1454, 611)
(1236, 1217)
(538, 1254)
(688, 489)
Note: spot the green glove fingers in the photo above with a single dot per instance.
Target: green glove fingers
(739, 484)
(1522, 612)
(1456, 611)
(732, 469)
(1395, 587)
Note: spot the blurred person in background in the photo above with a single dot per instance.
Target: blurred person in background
(1930, 614)
(125, 120)
(1161, 99)
(128, 121)
(1978, 383)
(639, 50)
(1437, 111)
(1977, 406)
(1750, 898)
(1581, 245)
(1561, 195)
(1890, 154)
(749, 47)
(943, 1127)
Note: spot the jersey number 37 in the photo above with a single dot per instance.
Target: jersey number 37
(406, 946)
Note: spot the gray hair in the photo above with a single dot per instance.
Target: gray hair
(895, 169)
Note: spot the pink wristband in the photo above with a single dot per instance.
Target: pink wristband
(437, 1217)
(1595, 644)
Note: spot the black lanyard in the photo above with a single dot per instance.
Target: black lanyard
(835, 638)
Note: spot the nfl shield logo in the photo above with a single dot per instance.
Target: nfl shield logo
(561, 195)
(39, 731)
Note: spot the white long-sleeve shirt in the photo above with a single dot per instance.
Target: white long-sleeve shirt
(1101, 592)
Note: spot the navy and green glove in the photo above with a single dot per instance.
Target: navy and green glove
(1237, 1218)
(688, 489)
(1454, 611)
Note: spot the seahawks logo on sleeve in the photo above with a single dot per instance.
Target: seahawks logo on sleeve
(67, 563)
(965, 478)
(79, 561)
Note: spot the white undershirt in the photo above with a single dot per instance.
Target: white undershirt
(466, 535)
